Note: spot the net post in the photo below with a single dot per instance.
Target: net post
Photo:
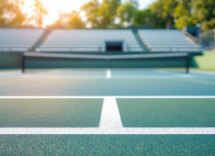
(23, 63)
(187, 63)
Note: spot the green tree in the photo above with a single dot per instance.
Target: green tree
(107, 13)
(157, 20)
(75, 21)
(10, 13)
(163, 13)
(126, 13)
(184, 15)
(39, 13)
(91, 10)
(204, 12)
(142, 17)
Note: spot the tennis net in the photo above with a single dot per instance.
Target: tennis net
(32, 60)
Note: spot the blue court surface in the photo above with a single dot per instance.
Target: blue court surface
(107, 112)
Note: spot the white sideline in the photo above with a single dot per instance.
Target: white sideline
(110, 116)
(108, 73)
(102, 97)
(119, 131)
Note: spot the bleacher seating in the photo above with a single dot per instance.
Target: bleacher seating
(167, 41)
(87, 40)
(18, 40)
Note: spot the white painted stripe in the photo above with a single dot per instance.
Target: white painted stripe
(110, 123)
(92, 76)
(172, 73)
(149, 77)
(101, 97)
(143, 131)
(204, 72)
(200, 81)
(108, 73)
(110, 117)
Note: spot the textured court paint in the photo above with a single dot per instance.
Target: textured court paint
(167, 112)
(110, 117)
(50, 112)
(107, 145)
(104, 87)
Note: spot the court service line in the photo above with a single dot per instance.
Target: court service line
(110, 123)
(101, 97)
(119, 131)
(204, 72)
(108, 73)
(172, 73)
(110, 116)
(200, 81)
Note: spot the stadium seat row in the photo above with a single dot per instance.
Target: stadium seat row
(88, 40)
(59, 40)
(167, 40)
(18, 40)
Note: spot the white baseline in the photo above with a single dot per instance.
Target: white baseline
(110, 123)
(119, 131)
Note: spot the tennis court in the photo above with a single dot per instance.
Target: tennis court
(107, 112)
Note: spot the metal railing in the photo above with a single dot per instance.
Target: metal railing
(207, 40)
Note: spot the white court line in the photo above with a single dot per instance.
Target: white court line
(101, 97)
(200, 81)
(108, 73)
(11, 75)
(204, 72)
(121, 131)
(64, 76)
(172, 73)
(110, 117)
(110, 123)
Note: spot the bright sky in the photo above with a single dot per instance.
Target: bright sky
(53, 7)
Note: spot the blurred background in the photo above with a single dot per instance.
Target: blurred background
(194, 18)
(84, 14)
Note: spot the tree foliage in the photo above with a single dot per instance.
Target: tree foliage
(107, 12)
(163, 13)
(183, 14)
(91, 10)
(204, 12)
(75, 21)
(142, 17)
(101, 15)
(119, 14)
(39, 13)
(126, 13)
(10, 13)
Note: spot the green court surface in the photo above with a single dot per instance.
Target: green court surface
(167, 112)
(107, 112)
(63, 86)
(107, 145)
(206, 62)
(50, 112)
